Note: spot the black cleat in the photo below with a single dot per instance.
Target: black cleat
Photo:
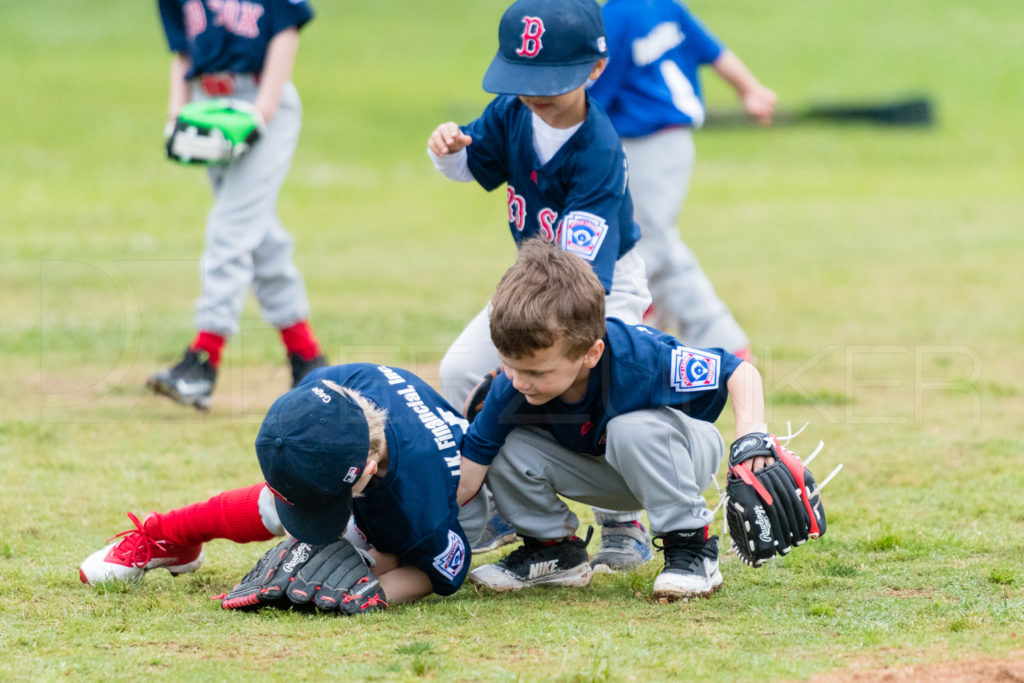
(190, 382)
(691, 566)
(535, 564)
(301, 368)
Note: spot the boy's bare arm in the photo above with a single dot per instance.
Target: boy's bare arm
(178, 97)
(746, 392)
(277, 71)
(470, 480)
(404, 584)
(758, 100)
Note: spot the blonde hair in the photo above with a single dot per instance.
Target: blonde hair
(548, 295)
(376, 418)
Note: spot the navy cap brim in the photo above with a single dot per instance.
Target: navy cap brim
(537, 80)
(317, 527)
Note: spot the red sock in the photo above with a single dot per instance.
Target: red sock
(234, 515)
(299, 339)
(212, 343)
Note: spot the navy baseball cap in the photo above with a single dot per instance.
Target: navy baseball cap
(312, 448)
(546, 47)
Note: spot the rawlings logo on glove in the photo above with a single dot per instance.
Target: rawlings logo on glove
(213, 132)
(774, 509)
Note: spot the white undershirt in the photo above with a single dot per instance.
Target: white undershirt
(547, 140)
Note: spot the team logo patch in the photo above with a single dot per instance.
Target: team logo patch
(694, 370)
(582, 233)
(351, 475)
(449, 563)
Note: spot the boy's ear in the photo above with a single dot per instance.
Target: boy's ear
(598, 69)
(593, 354)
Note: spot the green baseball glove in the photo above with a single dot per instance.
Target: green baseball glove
(213, 132)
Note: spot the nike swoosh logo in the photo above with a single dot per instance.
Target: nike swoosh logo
(185, 387)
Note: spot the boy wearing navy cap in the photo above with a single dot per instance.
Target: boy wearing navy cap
(365, 440)
(604, 413)
(566, 178)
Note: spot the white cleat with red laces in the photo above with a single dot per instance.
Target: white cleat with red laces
(139, 551)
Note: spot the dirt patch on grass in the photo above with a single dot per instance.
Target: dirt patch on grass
(908, 593)
(964, 671)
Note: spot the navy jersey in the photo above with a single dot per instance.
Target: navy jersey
(411, 512)
(641, 368)
(228, 35)
(578, 199)
(655, 49)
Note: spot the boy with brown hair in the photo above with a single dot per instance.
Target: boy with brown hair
(604, 413)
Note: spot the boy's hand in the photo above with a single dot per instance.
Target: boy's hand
(759, 102)
(448, 138)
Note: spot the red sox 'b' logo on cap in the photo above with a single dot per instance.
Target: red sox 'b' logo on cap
(532, 31)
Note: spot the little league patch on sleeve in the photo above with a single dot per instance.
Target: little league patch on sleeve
(582, 233)
(449, 563)
(694, 370)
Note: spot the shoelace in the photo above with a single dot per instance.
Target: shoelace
(686, 555)
(135, 541)
(619, 538)
(531, 546)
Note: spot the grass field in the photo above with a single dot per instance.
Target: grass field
(878, 272)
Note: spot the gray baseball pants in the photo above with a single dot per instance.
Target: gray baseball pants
(660, 460)
(246, 244)
(660, 166)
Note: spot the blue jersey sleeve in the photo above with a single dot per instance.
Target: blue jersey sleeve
(487, 433)
(445, 558)
(699, 39)
(174, 25)
(487, 155)
(696, 381)
(617, 33)
(285, 14)
(651, 369)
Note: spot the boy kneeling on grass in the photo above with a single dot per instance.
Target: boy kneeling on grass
(608, 414)
(363, 440)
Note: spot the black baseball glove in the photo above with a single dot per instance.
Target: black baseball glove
(475, 401)
(333, 578)
(266, 583)
(337, 578)
(773, 509)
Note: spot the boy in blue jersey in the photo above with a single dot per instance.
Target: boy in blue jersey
(604, 413)
(243, 50)
(391, 445)
(651, 91)
(566, 178)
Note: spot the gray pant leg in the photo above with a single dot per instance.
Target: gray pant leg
(667, 459)
(471, 356)
(660, 166)
(659, 460)
(246, 245)
(630, 297)
(473, 516)
(530, 472)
